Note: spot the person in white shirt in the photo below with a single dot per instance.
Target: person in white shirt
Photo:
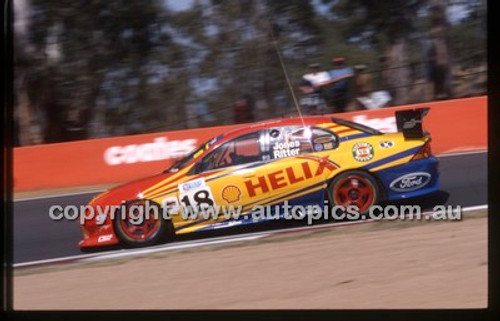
(312, 100)
(316, 76)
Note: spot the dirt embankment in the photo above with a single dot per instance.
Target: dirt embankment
(381, 265)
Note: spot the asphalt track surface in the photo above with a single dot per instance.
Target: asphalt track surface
(37, 237)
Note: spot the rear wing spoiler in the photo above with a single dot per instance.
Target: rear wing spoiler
(410, 122)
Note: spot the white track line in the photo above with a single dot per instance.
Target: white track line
(56, 260)
(204, 242)
(99, 191)
(475, 208)
(158, 248)
(462, 153)
(171, 248)
(179, 245)
(56, 195)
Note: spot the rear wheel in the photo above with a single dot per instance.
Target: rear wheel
(136, 228)
(354, 188)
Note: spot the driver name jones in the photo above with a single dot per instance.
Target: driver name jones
(287, 149)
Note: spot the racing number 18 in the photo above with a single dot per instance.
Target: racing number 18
(198, 199)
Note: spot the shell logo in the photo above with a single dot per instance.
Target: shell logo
(231, 193)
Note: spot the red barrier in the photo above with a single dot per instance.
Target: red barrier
(455, 125)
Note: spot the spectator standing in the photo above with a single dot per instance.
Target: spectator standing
(366, 96)
(363, 80)
(437, 57)
(75, 125)
(251, 104)
(385, 80)
(243, 110)
(339, 80)
(313, 95)
(316, 76)
(439, 54)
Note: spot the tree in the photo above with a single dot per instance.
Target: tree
(390, 26)
(240, 47)
(115, 68)
(82, 46)
(100, 68)
(28, 131)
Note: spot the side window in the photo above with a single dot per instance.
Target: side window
(297, 140)
(323, 139)
(288, 142)
(241, 150)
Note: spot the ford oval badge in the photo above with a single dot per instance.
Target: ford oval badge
(410, 182)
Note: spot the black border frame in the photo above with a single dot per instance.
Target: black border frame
(492, 312)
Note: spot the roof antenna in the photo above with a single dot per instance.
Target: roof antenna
(307, 131)
(283, 67)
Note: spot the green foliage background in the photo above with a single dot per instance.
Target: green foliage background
(88, 69)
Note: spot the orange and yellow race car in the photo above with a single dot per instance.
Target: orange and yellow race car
(298, 161)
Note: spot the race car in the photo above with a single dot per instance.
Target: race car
(301, 161)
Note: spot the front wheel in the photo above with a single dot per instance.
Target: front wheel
(354, 188)
(136, 228)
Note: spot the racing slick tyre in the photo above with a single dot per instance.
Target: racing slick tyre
(355, 187)
(151, 229)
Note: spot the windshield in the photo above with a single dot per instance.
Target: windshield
(181, 163)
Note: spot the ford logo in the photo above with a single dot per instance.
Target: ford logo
(410, 182)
